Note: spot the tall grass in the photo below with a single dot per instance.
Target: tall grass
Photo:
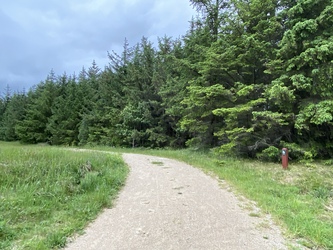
(300, 198)
(47, 194)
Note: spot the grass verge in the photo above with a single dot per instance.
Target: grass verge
(300, 198)
(47, 194)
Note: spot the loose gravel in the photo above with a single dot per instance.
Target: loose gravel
(167, 204)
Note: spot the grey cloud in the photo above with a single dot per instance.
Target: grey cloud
(38, 35)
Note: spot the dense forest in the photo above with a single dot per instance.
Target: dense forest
(249, 77)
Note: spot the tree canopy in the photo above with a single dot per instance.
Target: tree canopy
(248, 78)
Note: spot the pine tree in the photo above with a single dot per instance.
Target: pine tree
(172, 75)
(105, 111)
(302, 89)
(32, 129)
(141, 116)
(230, 79)
(89, 90)
(248, 46)
(13, 114)
(63, 124)
(196, 116)
(213, 13)
(4, 101)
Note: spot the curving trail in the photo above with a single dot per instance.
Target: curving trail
(167, 204)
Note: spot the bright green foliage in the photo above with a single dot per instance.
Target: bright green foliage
(304, 68)
(315, 113)
(271, 154)
(231, 79)
(135, 122)
(199, 86)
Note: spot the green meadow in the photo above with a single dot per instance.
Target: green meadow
(47, 194)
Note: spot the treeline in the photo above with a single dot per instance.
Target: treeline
(248, 78)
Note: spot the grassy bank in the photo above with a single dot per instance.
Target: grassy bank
(47, 194)
(300, 198)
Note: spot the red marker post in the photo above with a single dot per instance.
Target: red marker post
(285, 158)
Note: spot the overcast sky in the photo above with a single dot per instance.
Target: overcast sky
(39, 35)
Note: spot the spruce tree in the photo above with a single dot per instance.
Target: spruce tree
(63, 124)
(302, 89)
(13, 114)
(32, 129)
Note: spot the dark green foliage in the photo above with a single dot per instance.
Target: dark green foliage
(248, 78)
(4, 101)
(14, 112)
(63, 124)
(32, 128)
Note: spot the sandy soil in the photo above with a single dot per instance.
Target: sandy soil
(167, 204)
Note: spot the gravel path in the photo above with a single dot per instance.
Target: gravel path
(167, 204)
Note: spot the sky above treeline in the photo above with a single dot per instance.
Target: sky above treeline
(38, 36)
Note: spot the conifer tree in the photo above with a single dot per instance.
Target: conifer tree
(63, 124)
(89, 89)
(13, 114)
(248, 46)
(32, 129)
(302, 89)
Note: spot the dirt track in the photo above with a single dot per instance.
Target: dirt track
(166, 204)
